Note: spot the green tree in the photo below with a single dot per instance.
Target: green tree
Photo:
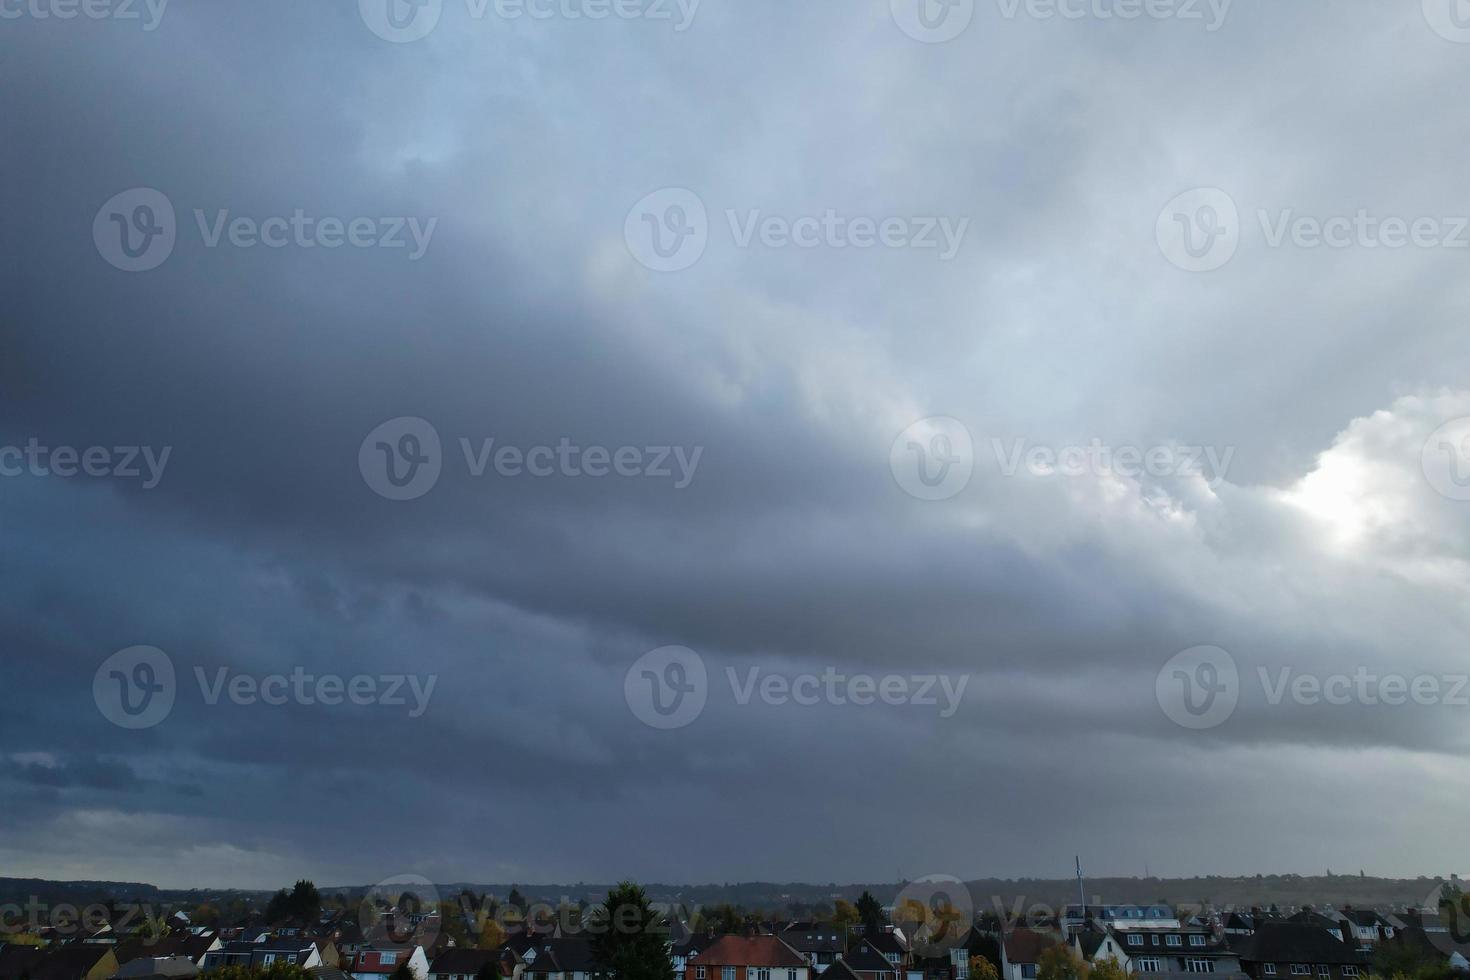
(870, 913)
(1107, 969)
(402, 973)
(630, 940)
(490, 971)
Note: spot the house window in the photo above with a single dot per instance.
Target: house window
(699, 973)
(1148, 964)
(790, 975)
(1196, 940)
(1028, 971)
(1349, 971)
(727, 973)
(1270, 969)
(1174, 941)
(1301, 970)
(268, 959)
(388, 959)
(1135, 940)
(761, 973)
(1323, 971)
(1198, 964)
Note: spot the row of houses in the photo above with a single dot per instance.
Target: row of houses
(1259, 945)
(1313, 944)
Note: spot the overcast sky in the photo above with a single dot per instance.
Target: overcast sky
(995, 236)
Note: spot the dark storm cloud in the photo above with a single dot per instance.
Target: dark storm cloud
(262, 550)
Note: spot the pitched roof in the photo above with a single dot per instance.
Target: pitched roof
(888, 942)
(157, 966)
(569, 954)
(839, 971)
(68, 962)
(749, 951)
(463, 959)
(865, 958)
(1293, 942)
(1026, 945)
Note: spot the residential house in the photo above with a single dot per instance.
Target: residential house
(1168, 952)
(75, 961)
(821, 943)
(187, 945)
(749, 958)
(1100, 917)
(157, 968)
(1020, 952)
(379, 960)
(1297, 951)
(299, 952)
(1366, 927)
(868, 963)
(559, 958)
(893, 947)
(462, 963)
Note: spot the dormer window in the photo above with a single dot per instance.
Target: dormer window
(1174, 941)
(1196, 940)
(1135, 940)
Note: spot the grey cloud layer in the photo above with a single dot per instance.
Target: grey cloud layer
(527, 320)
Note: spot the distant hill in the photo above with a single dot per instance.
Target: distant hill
(1001, 895)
